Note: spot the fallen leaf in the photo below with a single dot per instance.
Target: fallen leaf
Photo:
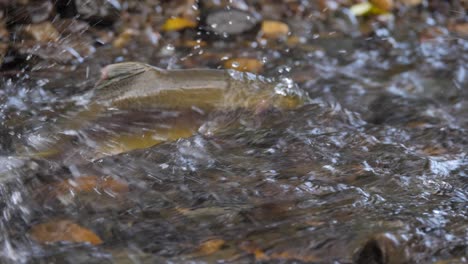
(361, 9)
(244, 65)
(210, 246)
(460, 28)
(90, 184)
(274, 29)
(432, 33)
(178, 23)
(63, 230)
(261, 255)
(418, 124)
(434, 150)
(366, 9)
(386, 5)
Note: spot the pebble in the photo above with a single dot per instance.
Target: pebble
(274, 29)
(42, 32)
(244, 65)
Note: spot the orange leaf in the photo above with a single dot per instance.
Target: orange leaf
(211, 246)
(63, 230)
(90, 184)
(261, 255)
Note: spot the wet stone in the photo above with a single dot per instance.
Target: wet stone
(187, 9)
(67, 52)
(223, 23)
(212, 4)
(4, 38)
(45, 43)
(274, 29)
(382, 249)
(30, 11)
(244, 64)
(97, 12)
(43, 32)
(410, 2)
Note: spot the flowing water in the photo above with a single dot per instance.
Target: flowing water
(372, 169)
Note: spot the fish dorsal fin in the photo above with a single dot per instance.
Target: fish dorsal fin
(119, 71)
(117, 78)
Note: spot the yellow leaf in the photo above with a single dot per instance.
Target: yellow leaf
(365, 9)
(361, 9)
(178, 23)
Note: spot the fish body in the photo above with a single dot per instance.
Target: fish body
(138, 85)
(135, 87)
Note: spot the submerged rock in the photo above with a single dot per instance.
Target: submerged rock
(4, 37)
(229, 22)
(97, 12)
(29, 11)
(382, 249)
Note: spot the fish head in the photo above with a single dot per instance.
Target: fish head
(287, 95)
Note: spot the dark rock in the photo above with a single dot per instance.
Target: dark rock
(4, 37)
(66, 8)
(100, 12)
(381, 249)
(29, 11)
